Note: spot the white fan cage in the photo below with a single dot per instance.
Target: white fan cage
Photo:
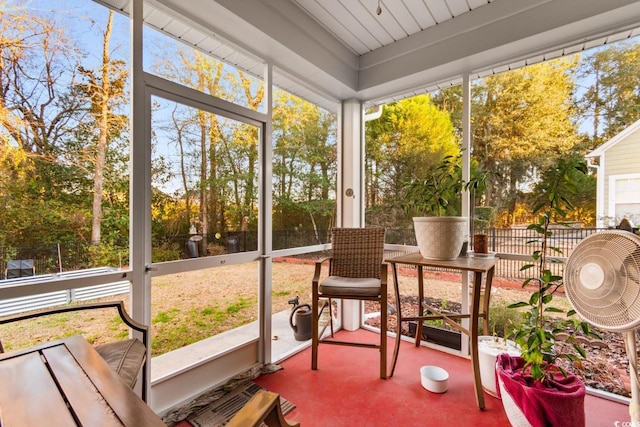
(602, 280)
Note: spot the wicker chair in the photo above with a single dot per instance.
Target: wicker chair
(356, 272)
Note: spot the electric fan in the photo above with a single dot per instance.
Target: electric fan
(602, 282)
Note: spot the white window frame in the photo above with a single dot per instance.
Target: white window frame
(613, 180)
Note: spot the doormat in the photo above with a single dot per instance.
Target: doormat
(220, 412)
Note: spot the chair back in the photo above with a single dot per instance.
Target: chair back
(357, 252)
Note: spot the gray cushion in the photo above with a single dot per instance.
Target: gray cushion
(124, 357)
(349, 286)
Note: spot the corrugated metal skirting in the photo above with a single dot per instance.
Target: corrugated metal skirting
(51, 299)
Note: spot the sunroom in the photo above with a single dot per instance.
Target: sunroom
(345, 58)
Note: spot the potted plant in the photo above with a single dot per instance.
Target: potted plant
(489, 348)
(439, 236)
(501, 319)
(535, 390)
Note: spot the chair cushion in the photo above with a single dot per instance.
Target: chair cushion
(125, 357)
(350, 286)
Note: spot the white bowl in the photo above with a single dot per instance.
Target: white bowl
(434, 379)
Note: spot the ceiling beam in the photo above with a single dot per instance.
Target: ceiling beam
(497, 33)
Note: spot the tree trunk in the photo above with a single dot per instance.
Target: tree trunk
(204, 215)
(103, 136)
(183, 170)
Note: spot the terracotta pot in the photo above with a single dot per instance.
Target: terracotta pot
(480, 243)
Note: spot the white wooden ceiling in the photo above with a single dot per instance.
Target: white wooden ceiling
(357, 24)
(330, 50)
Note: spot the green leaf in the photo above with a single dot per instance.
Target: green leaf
(580, 350)
(518, 305)
(582, 167)
(537, 372)
(520, 335)
(592, 334)
(539, 206)
(564, 373)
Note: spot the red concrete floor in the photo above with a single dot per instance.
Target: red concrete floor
(346, 390)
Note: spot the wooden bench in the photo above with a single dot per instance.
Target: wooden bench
(125, 357)
(264, 407)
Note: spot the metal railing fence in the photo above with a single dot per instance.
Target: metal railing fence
(513, 247)
(55, 258)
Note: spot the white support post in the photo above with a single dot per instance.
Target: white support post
(466, 202)
(140, 199)
(351, 187)
(139, 181)
(266, 224)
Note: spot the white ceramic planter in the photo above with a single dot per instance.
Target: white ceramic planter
(543, 405)
(488, 351)
(514, 414)
(440, 237)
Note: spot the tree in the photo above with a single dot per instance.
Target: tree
(196, 135)
(320, 180)
(105, 90)
(611, 100)
(450, 100)
(37, 62)
(304, 163)
(582, 192)
(60, 124)
(250, 136)
(407, 142)
(40, 110)
(522, 122)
